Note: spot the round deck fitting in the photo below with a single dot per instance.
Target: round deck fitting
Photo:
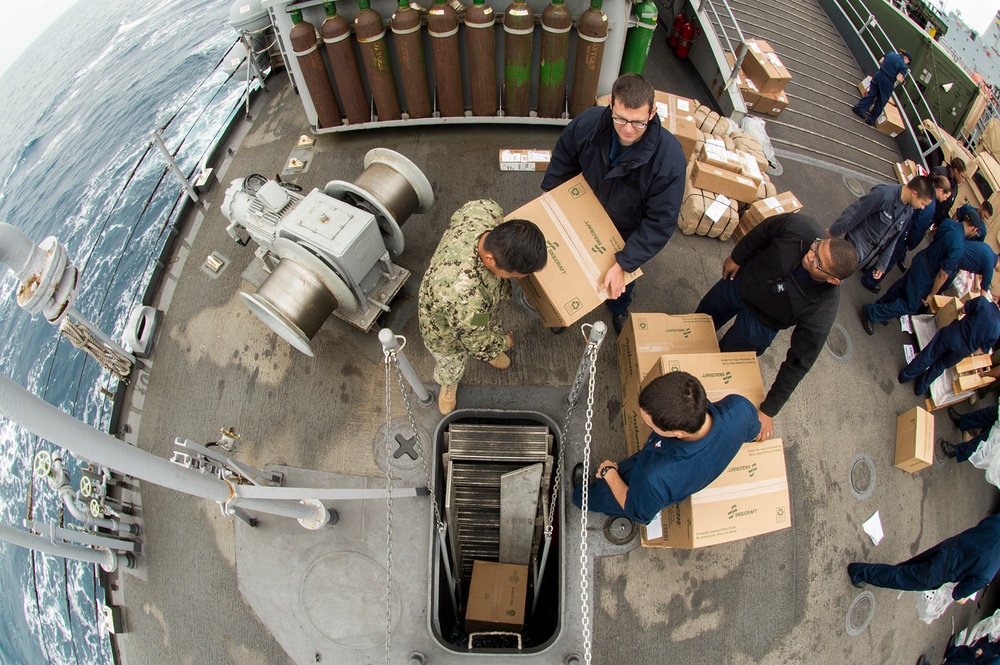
(403, 446)
(855, 186)
(860, 613)
(620, 530)
(839, 344)
(861, 476)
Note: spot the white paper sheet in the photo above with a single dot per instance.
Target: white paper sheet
(873, 527)
(654, 529)
(905, 325)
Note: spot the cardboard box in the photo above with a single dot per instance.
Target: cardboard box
(750, 498)
(677, 116)
(714, 152)
(497, 595)
(948, 312)
(937, 302)
(582, 242)
(647, 336)
(750, 167)
(864, 84)
(763, 66)
(890, 122)
(747, 87)
(907, 170)
(713, 179)
(521, 159)
(771, 103)
(721, 374)
(914, 440)
(758, 211)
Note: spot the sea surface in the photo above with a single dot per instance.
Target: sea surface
(75, 129)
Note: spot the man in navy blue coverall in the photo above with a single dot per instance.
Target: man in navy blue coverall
(930, 270)
(981, 419)
(978, 330)
(637, 169)
(892, 68)
(970, 560)
(980, 260)
(692, 443)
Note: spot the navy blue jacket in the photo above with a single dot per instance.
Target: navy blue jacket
(971, 558)
(944, 207)
(980, 327)
(919, 223)
(946, 248)
(979, 258)
(874, 223)
(642, 194)
(892, 64)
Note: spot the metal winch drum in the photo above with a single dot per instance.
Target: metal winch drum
(328, 252)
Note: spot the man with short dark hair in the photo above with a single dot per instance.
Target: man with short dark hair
(785, 273)
(893, 68)
(636, 168)
(915, 230)
(692, 443)
(465, 282)
(876, 221)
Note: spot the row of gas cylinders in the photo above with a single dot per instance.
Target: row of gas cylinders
(442, 27)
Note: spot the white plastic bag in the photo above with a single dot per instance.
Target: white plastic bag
(987, 456)
(989, 626)
(932, 604)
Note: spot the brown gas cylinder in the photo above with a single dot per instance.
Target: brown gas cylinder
(442, 26)
(480, 43)
(305, 46)
(518, 32)
(336, 34)
(556, 24)
(412, 64)
(370, 30)
(592, 30)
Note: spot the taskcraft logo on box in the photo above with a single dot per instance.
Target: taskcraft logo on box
(734, 512)
(685, 332)
(725, 376)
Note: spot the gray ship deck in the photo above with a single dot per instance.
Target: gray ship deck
(779, 598)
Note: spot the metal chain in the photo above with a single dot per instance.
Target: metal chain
(584, 582)
(388, 508)
(438, 522)
(574, 394)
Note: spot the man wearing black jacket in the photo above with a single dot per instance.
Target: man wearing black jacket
(636, 167)
(785, 273)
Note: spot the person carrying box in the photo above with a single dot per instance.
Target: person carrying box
(893, 68)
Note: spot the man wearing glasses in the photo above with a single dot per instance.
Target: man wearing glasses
(783, 274)
(636, 167)
(876, 222)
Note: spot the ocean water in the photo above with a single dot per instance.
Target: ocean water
(76, 162)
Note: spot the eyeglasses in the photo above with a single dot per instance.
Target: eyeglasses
(814, 248)
(636, 124)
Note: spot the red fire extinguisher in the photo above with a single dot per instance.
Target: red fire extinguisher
(686, 39)
(675, 30)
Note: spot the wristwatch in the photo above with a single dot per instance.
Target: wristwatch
(604, 471)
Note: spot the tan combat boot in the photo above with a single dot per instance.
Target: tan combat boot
(501, 362)
(448, 398)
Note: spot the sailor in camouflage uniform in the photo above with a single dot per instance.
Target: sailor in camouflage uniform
(466, 280)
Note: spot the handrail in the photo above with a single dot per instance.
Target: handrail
(740, 50)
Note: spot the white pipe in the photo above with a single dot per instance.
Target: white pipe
(18, 252)
(105, 558)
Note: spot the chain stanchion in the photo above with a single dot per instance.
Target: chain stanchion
(584, 582)
(388, 507)
(394, 343)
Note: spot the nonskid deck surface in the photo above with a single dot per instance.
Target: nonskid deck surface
(778, 598)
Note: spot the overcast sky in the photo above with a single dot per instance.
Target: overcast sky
(23, 24)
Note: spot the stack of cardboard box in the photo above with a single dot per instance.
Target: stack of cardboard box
(762, 79)
(891, 121)
(751, 496)
(758, 211)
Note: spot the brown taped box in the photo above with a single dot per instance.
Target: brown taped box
(713, 179)
(747, 87)
(714, 152)
(582, 242)
(763, 66)
(497, 595)
(750, 498)
(948, 312)
(890, 122)
(720, 374)
(521, 159)
(677, 116)
(914, 440)
(771, 103)
(758, 211)
(907, 170)
(647, 336)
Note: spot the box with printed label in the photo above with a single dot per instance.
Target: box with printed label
(497, 594)
(765, 209)
(747, 87)
(714, 152)
(914, 440)
(647, 336)
(763, 66)
(720, 374)
(677, 116)
(520, 159)
(890, 122)
(582, 242)
(771, 103)
(750, 498)
(713, 179)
